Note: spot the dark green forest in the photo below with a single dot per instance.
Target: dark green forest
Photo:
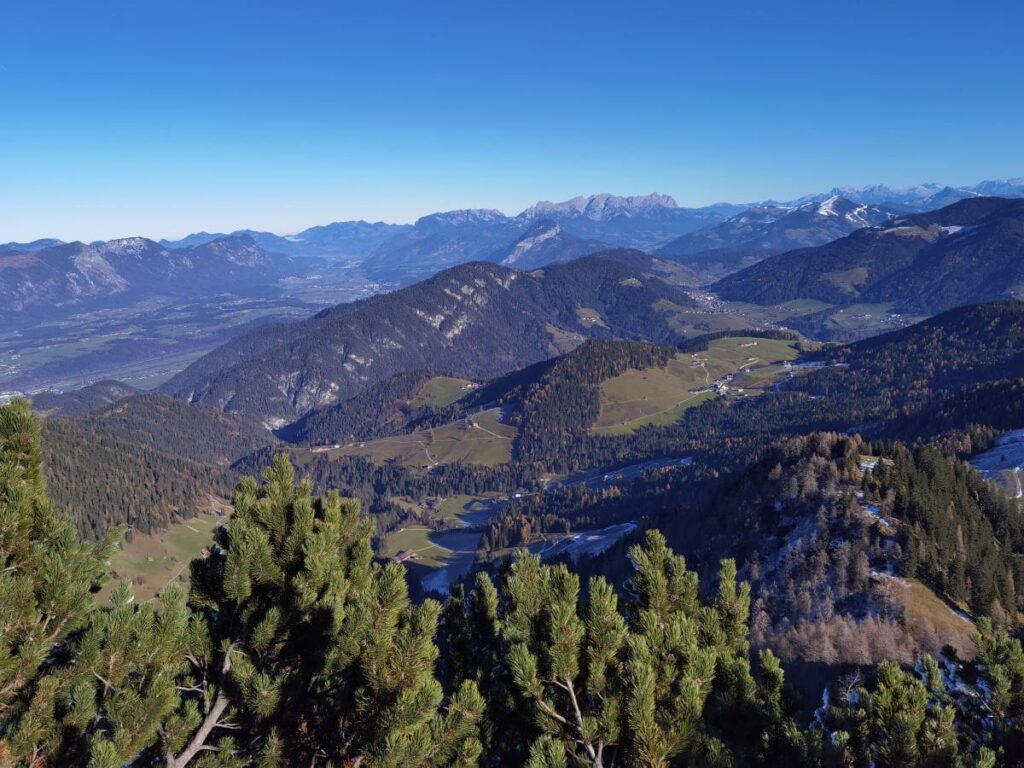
(295, 645)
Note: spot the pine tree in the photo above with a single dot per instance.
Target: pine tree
(609, 684)
(125, 686)
(1002, 668)
(321, 655)
(46, 581)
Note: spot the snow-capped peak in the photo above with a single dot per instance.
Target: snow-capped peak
(462, 217)
(128, 246)
(599, 207)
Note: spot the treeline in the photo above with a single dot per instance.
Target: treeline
(294, 646)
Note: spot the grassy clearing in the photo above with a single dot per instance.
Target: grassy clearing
(462, 506)
(441, 548)
(590, 317)
(151, 561)
(479, 439)
(658, 419)
(659, 396)
(441, 391)
(866, 318)
(563, 341)
(924, 608)
(415, 539)
(776, 313)
(694, 322)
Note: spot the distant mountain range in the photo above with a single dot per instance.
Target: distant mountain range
(584, 225)
(642, 222)
(764, 231)
(78, 274)
(402, 254)
(967, 252)
(343, 239)
(477, 320)
(35, 245)
(921, 197)
(442, 240)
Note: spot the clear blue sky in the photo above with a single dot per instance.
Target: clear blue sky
(151, 117)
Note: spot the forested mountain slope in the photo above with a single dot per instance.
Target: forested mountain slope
(958, 369)
(145, 460)
(828, 527)
(102, 481)
(178, 428)
(381, 409)
(918, 380)
(968, 252)
(477, 320)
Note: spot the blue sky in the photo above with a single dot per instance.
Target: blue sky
(122, 117)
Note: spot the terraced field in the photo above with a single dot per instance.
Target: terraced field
(479, 439)
(659, 396)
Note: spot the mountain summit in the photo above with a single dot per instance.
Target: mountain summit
(600, 207)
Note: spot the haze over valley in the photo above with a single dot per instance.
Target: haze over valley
(141, 310)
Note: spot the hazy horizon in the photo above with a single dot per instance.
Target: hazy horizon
(136, 119)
